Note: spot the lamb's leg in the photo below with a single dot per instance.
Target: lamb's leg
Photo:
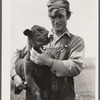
(33, 87)
(19, 67)
(29, 67)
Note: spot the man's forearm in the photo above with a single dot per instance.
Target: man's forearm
(13, 73)
(66, 68)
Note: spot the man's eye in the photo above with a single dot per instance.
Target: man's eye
(53, 17)
(60, 16)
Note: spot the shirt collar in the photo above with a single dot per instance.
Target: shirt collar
(66, 32)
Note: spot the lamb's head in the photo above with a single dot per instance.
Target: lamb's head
(37, 36)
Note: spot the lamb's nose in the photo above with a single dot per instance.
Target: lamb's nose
(50, 35)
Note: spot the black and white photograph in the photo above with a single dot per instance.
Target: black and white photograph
(50, 50)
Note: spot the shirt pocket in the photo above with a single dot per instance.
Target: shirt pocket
(63, 55)
(52, 52)
(59, 53)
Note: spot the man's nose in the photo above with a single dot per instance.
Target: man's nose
(56, 20)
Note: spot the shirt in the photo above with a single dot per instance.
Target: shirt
(74, 64)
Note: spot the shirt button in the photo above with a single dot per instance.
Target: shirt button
(44, 48)
(46, 52)
(65, 46)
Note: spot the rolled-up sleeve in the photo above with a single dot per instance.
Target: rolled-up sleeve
(17, 55)
(14, 58)
(74, 64)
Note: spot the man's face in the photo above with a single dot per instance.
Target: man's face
(58, 19)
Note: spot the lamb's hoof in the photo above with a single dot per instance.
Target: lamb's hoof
(17, 91)
(38, 96)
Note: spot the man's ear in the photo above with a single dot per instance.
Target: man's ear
(68, 15)
(27, 32)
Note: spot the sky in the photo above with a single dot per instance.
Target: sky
(83, 21)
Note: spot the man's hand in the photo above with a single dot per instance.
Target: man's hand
(41, 59)
(18, 82)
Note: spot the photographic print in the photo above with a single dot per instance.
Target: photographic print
(51, 50)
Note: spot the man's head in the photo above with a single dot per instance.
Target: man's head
(59, 13)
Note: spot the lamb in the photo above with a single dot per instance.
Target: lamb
(37, 76)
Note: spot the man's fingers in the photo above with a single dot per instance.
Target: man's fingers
(34, 59)
(33, 52)
(21, 86)
(42, 50)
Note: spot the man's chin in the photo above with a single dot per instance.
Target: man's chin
(58, 29)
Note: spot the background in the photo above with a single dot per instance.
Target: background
(19, 15)
(83, 22)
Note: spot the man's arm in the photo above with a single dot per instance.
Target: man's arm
(74, 64)
(17, 57)
(70, 67)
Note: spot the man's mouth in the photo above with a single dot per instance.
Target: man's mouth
(57, 25)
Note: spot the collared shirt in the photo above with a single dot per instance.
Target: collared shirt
(74, 64)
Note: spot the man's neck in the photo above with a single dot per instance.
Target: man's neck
(57, 34)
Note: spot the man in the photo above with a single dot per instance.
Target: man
(68, 54)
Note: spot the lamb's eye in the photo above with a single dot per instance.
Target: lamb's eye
(37, 38)
(37, 35)
(42, 31)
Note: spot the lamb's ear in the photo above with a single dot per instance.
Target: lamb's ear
(27, 32)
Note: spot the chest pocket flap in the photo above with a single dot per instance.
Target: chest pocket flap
(60, 53)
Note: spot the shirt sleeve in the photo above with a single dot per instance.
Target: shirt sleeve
(74, 64)
(14, 58)
(17, 55)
